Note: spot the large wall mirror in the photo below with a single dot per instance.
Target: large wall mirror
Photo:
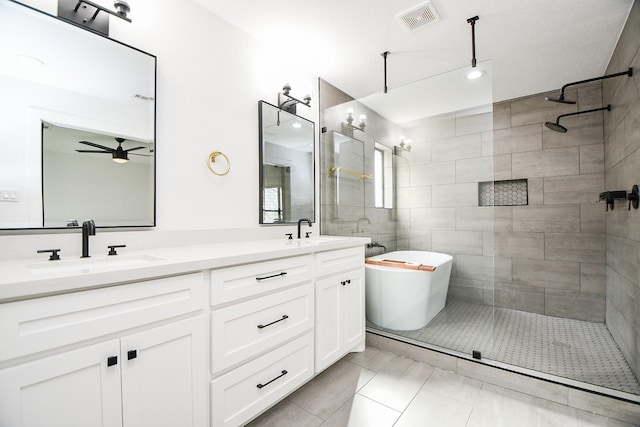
(77, 133)
(287, 185)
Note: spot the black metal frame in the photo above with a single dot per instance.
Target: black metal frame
(155, 93)
(261, 162)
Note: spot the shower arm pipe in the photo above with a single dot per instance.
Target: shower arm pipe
(629, 73)
(593, 110)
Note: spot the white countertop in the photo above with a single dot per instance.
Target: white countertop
(23, 279)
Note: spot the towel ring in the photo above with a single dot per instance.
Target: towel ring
(212, 159)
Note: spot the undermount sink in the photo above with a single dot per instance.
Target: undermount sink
(87, 265)
(322, 239)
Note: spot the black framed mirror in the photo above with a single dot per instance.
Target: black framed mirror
(55, 76)
(287, 166)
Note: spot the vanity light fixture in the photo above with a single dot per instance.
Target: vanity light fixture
(288, 103)
(474, 73)
(405, 145)
(362, 120)
(86, 14)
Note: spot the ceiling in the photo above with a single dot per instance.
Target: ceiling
(533, 46)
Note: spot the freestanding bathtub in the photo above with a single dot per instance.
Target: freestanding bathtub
(404, 299)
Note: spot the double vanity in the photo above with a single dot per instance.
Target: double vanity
(183, 336)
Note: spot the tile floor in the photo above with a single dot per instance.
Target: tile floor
(377, 389)
(575, 349)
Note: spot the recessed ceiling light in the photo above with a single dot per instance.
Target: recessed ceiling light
(475, 73)
(296, 125)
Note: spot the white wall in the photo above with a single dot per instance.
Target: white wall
(210, 78)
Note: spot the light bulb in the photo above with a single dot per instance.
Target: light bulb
(475, 73)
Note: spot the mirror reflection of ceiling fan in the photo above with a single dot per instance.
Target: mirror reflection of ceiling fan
(119, 154)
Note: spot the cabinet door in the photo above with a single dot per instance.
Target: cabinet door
(328, 321)
(164, 376)
(353, 312)
(72, 389)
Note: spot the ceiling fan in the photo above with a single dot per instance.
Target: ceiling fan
(119, 154)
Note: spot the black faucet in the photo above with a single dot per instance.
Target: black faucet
(300, 221)
(88, 229)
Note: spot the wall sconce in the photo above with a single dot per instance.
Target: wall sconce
(362, 120)
(405, 145)
(288, 103)
(86, 14)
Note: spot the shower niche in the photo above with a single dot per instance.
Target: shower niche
(513, 192)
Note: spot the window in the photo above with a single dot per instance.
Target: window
(383, 176)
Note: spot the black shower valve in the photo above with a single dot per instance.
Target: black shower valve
(610, 196)
(633, 197)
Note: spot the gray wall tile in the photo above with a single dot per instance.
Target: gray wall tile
(574, 305)
(544, 163)
(589, 248)
(433, 174)
(457, 242)
(462, 147)
(475, 170)
(546, 218)
(517, 139)
(592, 159)
(572, 189)
(454, 195)
(547, 274)
(519, 245)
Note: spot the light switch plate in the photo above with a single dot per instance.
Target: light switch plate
(8, 194)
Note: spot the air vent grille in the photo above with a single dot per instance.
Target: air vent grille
(419, 16)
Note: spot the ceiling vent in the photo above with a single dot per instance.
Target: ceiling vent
(419, 17)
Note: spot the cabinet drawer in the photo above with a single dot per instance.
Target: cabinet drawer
(243, 393)
(331, 262)
(243, 281)
(40, 324)
(246, 329)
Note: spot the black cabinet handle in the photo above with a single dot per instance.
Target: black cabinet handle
(343, 283)
(284, 273)
(274, 322)
(267, 383)
(112, 360)
(132, 354)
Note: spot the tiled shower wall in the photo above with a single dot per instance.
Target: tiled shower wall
(547, 257)
(622, 165)
(342, 146)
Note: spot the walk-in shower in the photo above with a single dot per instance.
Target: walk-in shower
(530, 266)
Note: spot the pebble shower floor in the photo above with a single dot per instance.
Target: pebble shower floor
(574, 349)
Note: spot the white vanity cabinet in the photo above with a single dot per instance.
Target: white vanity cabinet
(129, 355)
(262, 343)
(340, 315)
(210, 335)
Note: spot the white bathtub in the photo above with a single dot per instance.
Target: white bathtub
(404, 299)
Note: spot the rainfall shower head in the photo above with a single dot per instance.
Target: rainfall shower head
(556, 127)
(559, 128)
(561, 99)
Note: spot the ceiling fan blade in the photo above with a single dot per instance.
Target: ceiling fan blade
(136, 148)
(93, 151)
(93, 144)
(143, 155)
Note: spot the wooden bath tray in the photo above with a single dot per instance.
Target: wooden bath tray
(400, 264)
